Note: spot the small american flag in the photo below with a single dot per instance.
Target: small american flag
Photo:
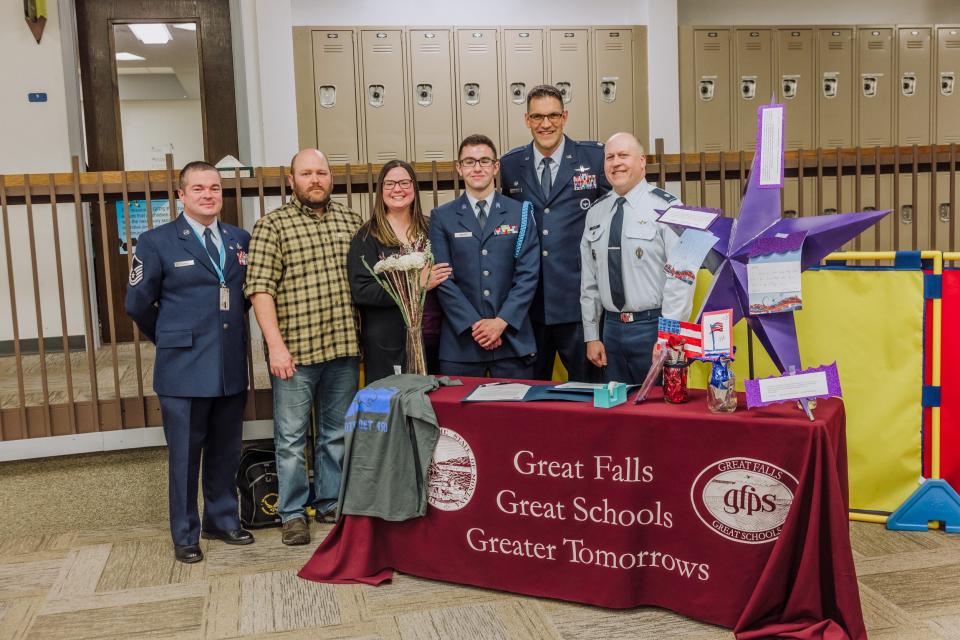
(690, 332)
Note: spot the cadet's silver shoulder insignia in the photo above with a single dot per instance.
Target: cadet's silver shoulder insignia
(664, 195)
(136, 271)
(585, 203)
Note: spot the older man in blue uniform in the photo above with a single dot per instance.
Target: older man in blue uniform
(185, 293)
(491, 243)
(562, 178)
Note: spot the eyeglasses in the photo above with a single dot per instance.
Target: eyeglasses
(537, 118)
(388, 185)
(470, 163)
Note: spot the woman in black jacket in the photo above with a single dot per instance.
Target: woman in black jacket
(397, 218)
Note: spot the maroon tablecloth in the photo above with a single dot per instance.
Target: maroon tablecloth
(738, 519)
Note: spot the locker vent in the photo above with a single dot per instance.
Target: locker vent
(753, 46)
(338, 158)
(876, 141)
(430, 48)
(951, 44)
(386, 155)
(382, 48)
(434, 155)
(876, 46)
(617, 46)
(713, 147)
(522, 48)
(836, 142)
(914, 44)
(835, 46)
(333, 48)
(569, 47)
(795, 46)
(477, 48)
(711, 46)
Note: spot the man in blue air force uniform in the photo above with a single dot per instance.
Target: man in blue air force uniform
(494, 252)
(185, 293)
(562, 178)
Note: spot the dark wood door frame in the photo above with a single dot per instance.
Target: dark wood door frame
(101, 111)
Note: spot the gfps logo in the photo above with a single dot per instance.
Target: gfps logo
(452, 475)
(743, 499)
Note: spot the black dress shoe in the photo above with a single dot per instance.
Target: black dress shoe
(188, 553)
(237, 536)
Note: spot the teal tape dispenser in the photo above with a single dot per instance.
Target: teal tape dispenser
(610, 395)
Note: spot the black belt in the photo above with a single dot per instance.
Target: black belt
(627, 317)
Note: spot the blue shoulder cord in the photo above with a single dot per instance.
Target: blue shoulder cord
(523, 228)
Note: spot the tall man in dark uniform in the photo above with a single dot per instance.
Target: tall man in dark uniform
(493, 249)
(186, 295)
(562, 178)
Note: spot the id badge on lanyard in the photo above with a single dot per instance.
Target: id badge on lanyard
(224, 298)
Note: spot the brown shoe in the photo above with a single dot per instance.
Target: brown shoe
(296, 531)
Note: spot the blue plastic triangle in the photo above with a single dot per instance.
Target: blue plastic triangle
(934, 500)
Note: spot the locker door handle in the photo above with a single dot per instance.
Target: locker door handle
(870, 86)
(518, 92)
(829, 211)
(566, 90)
(608, 90)
(790, 213)
(944, 212)
(829, 87)
(375, 93)
(906, 214)
(471, 93)
(789, 88)
(424, 95)
(947, 78)
(706, 90)
(748, 87)
(869, 208)
(328, 95)
(908, 84)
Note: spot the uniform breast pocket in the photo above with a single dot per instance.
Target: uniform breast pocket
(174, 338)
(637, 238)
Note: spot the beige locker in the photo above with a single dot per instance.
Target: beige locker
(613, 82)
(334, 73)
(431, 104)
(914, 96)
(831, 204)
(792, 205)
(795, 66)
(753, 77)
(948, 85)
(477, 87)
(910, 214)
(382, 91)
(713, 124)
(837, 86)
(522, 70)
(570, 72)
(729, 205)
(360, 203)
(880, 236)
(942, 214)
(428, 203)
(875, 93)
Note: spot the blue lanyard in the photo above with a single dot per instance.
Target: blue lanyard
(223, 257)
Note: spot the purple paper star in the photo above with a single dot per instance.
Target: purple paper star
(760, 218)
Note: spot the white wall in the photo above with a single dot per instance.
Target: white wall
(825, 12)
(36, 138)
(152, 127)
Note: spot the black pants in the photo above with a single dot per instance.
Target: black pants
(520, 368)
(567, 340)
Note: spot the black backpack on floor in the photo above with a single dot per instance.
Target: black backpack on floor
(257, 487)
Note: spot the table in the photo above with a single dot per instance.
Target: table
(736, 519)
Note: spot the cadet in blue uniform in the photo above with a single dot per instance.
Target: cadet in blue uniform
(562, 178)
(493, 250)
(627, 281)
(185, 293)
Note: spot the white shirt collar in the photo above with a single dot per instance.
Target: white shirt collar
(473, 203)
(556, 156)
(634, 195)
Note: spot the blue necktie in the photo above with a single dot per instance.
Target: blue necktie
(614, 258)
(211, 247)
(481, 213)
(545, 177)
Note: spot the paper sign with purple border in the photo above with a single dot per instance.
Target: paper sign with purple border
(770, 145)
(818, 382)
(717, 333)
(689, 217)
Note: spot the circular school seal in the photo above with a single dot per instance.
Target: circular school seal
(452, 475)
(743, 499)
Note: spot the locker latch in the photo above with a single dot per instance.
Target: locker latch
(328, 95)
(829, 85)
(869, 85)
(471, 93)
(375, 93)
(830, 211)
(943, 211)
(706, 89)
(908, 84)
(789, 88)
(518, 92)
(566, 91)
(748, 87)
(424, 95)
(608, 89)
(790, 213)
(906, 214)
(947, 79)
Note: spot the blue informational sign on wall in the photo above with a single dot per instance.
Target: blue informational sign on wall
(138, 219)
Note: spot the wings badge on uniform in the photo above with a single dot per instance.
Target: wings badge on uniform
(136, 271)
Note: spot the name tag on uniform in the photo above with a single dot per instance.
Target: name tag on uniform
(224, 299)
(183, 263)
(463, 234)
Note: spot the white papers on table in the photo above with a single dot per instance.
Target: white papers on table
(499, 391)
(771, 146)
(802, 385)
(692, 218)
(773, 277)
(575, 386)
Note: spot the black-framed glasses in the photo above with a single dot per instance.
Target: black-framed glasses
(388, 185)
(470, 163)
(537, 118)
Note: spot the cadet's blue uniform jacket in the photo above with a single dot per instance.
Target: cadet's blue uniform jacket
(487, 280)
(174, 297)
(580, 181)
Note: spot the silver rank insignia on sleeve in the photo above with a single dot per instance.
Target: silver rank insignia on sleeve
(136, 272)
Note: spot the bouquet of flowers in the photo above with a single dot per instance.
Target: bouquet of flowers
(401, 276)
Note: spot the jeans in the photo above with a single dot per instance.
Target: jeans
(327, 387)
(629, 347)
